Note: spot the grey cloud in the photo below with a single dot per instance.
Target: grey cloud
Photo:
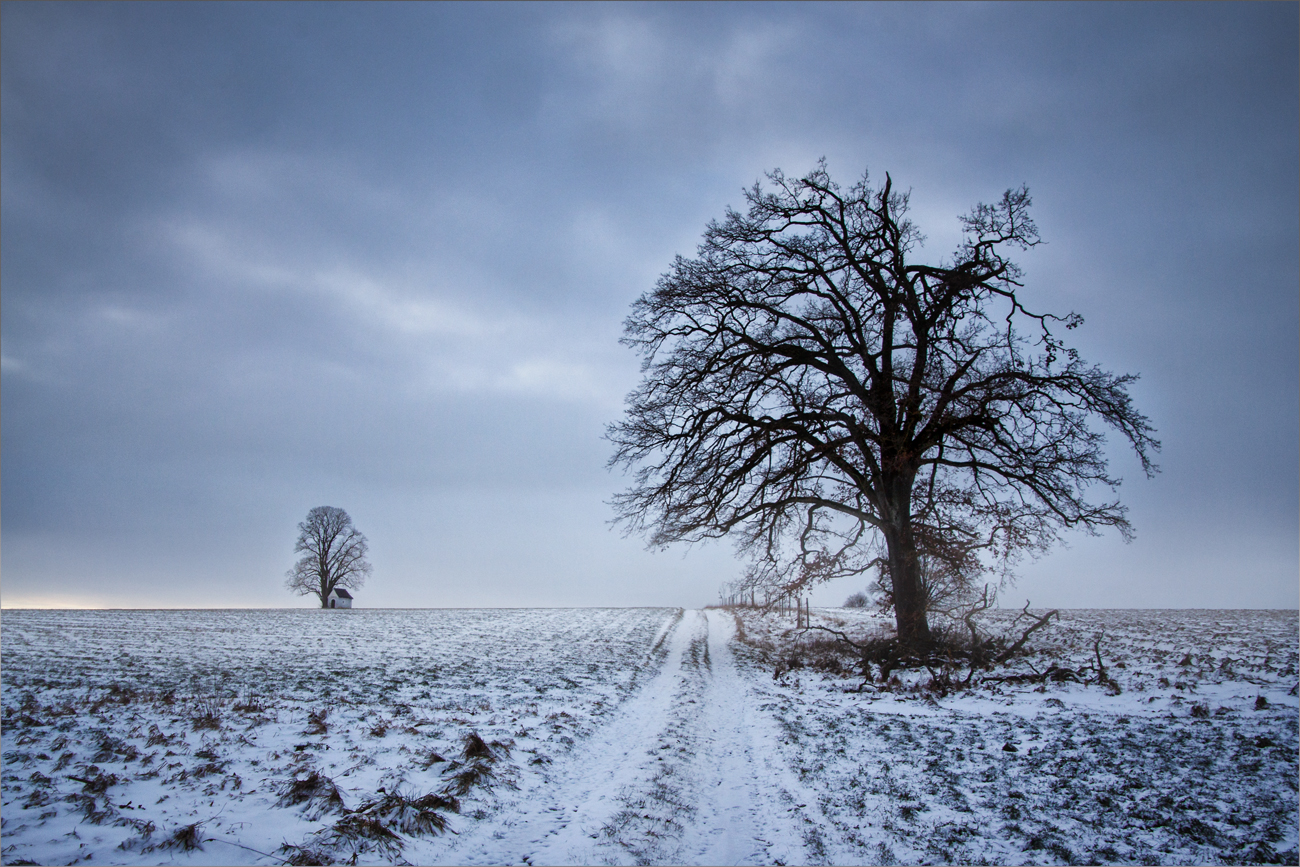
(262, 257)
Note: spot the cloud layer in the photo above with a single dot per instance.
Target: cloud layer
(259, 258)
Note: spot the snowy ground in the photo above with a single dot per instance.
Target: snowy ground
(634, 736)
(1183, 764)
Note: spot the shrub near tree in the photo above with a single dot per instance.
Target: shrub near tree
(334, 555)
(834, 406)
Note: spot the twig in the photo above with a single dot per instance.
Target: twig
(969, 617)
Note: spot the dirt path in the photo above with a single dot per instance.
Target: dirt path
(687, 772)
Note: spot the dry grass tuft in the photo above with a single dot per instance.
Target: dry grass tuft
(186, 838)
(157, 738)
(95, 781)
(110, 748)
(249, 703)
(313, 789)
(433, 758)
(316, 722)
(477, 749)
(207, 715)
(304, 855)
(410, 815)
(89, 808)
(462, 778)
(361, 834)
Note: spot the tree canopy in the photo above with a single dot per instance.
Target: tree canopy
(834, 406)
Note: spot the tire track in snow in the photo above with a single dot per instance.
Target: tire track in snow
(689, 771)
(558, 815)
(753, 808)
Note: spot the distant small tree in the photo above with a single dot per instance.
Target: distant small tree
(334, 555)
(857, 600)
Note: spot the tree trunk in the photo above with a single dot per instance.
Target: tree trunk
(905, 570)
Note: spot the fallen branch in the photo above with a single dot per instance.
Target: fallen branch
(968, 617)
(1103, 677)
(1020, 642)
(840, 635)
(1054, 673)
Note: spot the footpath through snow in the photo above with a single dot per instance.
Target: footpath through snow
(688, 772)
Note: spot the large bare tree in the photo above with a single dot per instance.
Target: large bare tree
(334, 555)
(836, 406)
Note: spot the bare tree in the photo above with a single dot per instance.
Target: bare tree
(334, 555)
(836, 406)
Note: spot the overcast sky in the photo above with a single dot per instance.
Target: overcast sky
(260, 258)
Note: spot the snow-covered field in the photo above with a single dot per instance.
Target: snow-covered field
(554, 736)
